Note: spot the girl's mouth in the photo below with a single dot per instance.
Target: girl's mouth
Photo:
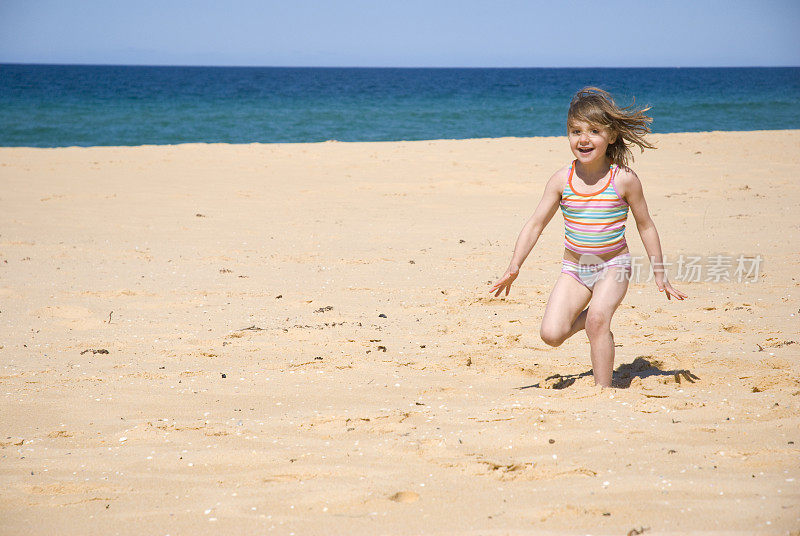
(585, 150)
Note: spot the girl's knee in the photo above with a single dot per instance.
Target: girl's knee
(551, 336)
(597, 322)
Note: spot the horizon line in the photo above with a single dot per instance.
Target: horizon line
(3, 62)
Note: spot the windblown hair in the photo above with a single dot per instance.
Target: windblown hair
(596, 107)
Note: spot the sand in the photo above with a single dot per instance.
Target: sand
(298, 339)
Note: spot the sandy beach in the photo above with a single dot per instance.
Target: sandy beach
(298, 339)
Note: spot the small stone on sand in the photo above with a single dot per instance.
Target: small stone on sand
(405, 497)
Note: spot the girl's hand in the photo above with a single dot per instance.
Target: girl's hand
(504, 282)
(664, 286)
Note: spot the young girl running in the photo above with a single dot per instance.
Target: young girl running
(594, 193)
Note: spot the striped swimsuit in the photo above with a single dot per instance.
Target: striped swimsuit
(594, 224)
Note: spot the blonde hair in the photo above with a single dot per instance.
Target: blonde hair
(596, 107)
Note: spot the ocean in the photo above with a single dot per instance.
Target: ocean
(81, 105)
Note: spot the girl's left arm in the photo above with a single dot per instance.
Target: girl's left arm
(634, 195)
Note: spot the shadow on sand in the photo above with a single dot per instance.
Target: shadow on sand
(642, 367)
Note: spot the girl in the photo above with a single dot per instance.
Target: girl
(594, 193)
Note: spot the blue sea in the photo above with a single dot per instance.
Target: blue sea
(66, 105)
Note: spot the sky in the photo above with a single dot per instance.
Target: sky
(403, 33)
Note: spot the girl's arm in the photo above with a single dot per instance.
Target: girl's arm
(631, 191)
(531, 231)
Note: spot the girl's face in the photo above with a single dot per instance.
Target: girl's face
(589, 142)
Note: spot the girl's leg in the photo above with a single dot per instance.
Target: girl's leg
(564, 315)
(606, 297)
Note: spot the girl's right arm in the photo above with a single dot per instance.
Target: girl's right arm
(532, 230)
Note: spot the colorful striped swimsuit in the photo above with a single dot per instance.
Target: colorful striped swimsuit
(594, 224)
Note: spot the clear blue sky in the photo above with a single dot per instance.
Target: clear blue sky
(435, 33)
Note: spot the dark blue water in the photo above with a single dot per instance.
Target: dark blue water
(62, 105)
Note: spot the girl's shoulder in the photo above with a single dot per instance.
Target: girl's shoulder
(559, 178)
(554, 188)
(624, 179)
(558, 182)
